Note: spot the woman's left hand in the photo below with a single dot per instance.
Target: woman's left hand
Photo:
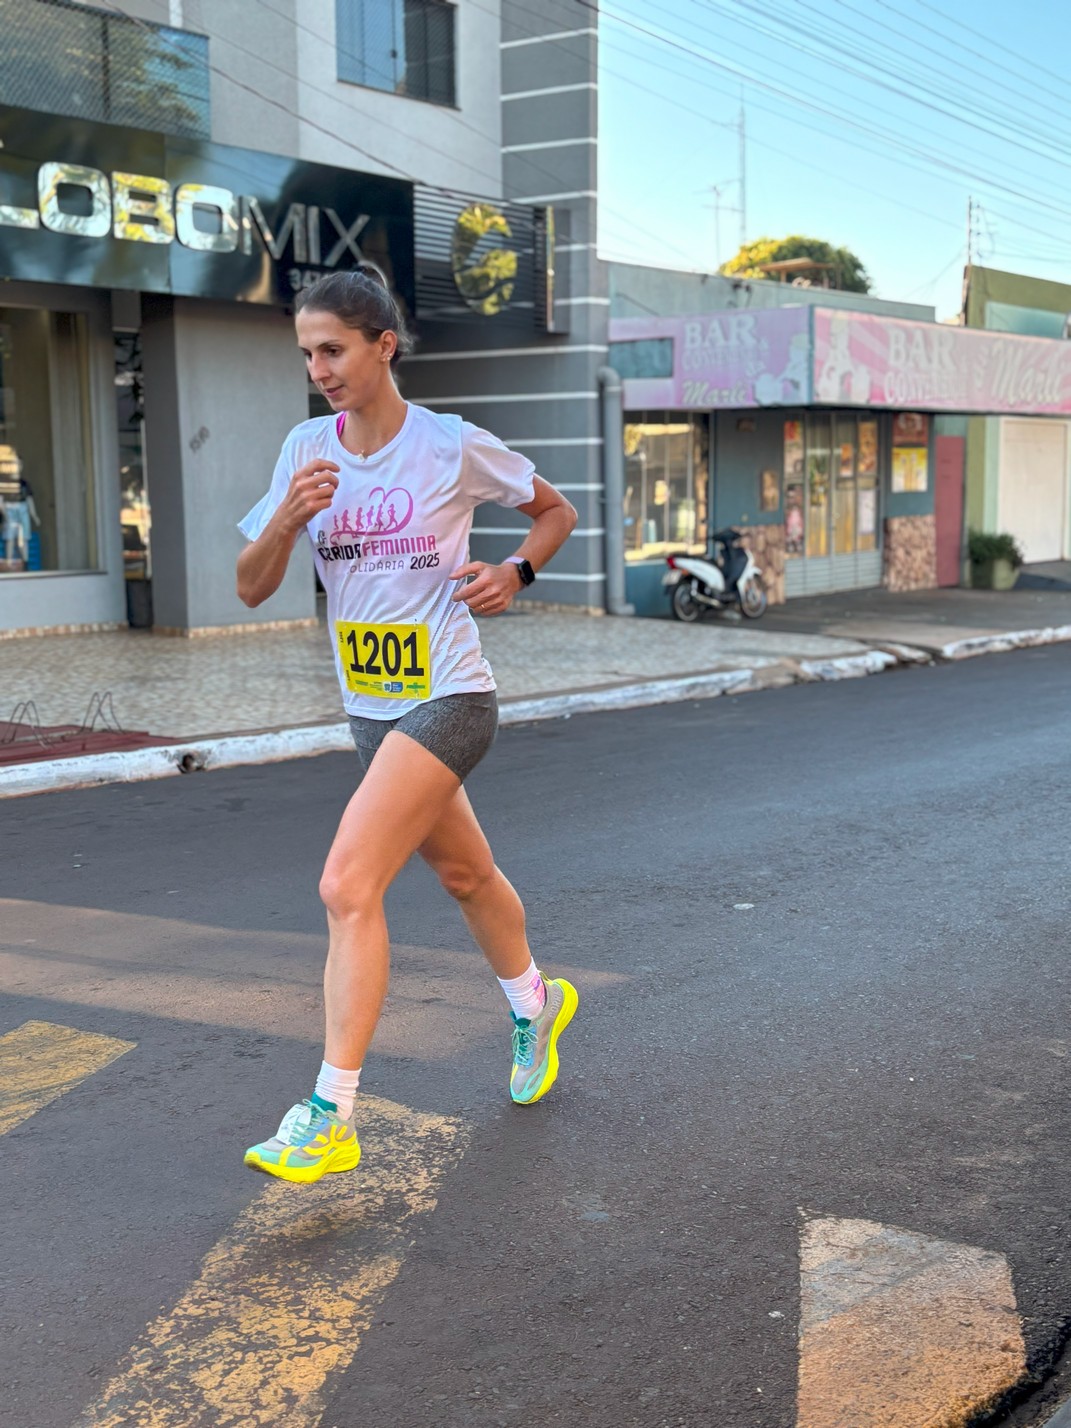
(492, 589)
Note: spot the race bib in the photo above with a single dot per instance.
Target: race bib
(385, 661)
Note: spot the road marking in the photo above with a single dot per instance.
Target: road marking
(283, 1299)
(899, 1331)
(39, 1061)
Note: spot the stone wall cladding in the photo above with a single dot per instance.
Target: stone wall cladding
(767, 545)
(910, 553)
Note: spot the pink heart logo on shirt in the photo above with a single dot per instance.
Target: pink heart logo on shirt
(385, 513)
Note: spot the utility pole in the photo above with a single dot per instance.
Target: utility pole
(743, 173)
(717, 189)
(970, 231)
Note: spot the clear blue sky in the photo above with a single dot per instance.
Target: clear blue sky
(845, 138)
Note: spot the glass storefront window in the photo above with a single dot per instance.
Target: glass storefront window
(831, 485)
(867, 487)
(794, 516)
(666, 479)
(47, 516)
(133, 488)
(818, 463)
(844, 487)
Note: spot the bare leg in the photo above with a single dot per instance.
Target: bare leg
(399, 801)
(458, 852)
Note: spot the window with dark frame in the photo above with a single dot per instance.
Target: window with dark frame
(667, 476)
(405, 47)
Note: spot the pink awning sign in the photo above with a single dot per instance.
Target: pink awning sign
(727, 359)
(864, 360)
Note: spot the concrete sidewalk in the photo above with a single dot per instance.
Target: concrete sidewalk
(930, 620)
(251, 698)
(184, 689)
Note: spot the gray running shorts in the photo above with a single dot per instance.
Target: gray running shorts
(458, 729)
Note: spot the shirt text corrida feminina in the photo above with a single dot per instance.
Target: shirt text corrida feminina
(398, 525)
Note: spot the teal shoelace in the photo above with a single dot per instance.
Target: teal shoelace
(524, 1041)
(304, 1122)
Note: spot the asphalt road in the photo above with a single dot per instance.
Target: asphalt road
(883, 1034)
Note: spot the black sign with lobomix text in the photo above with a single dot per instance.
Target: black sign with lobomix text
(99, 205)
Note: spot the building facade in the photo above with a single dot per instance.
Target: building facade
(832, 436)
(1018, 468)
(171, 175)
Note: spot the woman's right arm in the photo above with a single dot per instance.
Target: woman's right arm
(262, 565)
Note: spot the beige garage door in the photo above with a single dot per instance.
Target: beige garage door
(1032, 501)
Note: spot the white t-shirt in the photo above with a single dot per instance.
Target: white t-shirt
(398, 525)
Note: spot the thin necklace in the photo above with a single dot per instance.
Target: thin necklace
(361, 455)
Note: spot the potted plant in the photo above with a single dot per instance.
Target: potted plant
(994, 560)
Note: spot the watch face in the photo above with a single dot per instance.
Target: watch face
(527, 573)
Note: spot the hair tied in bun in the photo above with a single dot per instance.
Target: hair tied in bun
(367, 305)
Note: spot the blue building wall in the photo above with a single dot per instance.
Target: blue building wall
(740, 457)
(643, 587)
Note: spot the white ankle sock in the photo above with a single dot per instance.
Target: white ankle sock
(527, 994)
(338, 1087)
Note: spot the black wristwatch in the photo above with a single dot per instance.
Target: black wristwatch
(524, 568)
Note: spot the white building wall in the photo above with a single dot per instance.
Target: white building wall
(274, 62)
(455, 148)
(224, 383)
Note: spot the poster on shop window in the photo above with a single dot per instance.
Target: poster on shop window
(909, 468)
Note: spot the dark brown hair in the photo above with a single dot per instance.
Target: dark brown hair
(360, 299)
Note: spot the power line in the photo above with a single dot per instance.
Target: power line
(1061, 113)
(924, 287)
(701, 58)
(330, 133)
(757, 82)
(840, 117)
(539, 168)
(268, 99)
(842, 177)
(999, 45)
(913, 93)
(602, 207)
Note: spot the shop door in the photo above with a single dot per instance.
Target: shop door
(832, 531)
(948, 498)
(1032, 494)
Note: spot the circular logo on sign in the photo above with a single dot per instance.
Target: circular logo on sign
(484, 275)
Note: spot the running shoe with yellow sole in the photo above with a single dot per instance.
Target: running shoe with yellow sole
(310, 1142)
(535, 1043)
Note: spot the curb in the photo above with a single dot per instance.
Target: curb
(166, 759)
(848, 666)
(228, 751)
(1000, 644)
(232, 750)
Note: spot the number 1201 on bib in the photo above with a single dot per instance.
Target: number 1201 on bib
(385, 661)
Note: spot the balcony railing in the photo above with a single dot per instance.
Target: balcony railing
(65, 58)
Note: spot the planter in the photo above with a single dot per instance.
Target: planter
(993, 575)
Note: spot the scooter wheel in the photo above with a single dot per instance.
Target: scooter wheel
(753, 599)
(685, 606)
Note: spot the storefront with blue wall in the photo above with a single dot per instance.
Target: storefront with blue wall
(833, 440)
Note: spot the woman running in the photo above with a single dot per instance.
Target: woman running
(385, 491)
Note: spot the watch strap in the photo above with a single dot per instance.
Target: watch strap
(524, 568)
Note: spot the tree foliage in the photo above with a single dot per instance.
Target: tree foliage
(847, 273)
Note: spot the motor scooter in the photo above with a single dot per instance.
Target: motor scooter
(714, 582)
